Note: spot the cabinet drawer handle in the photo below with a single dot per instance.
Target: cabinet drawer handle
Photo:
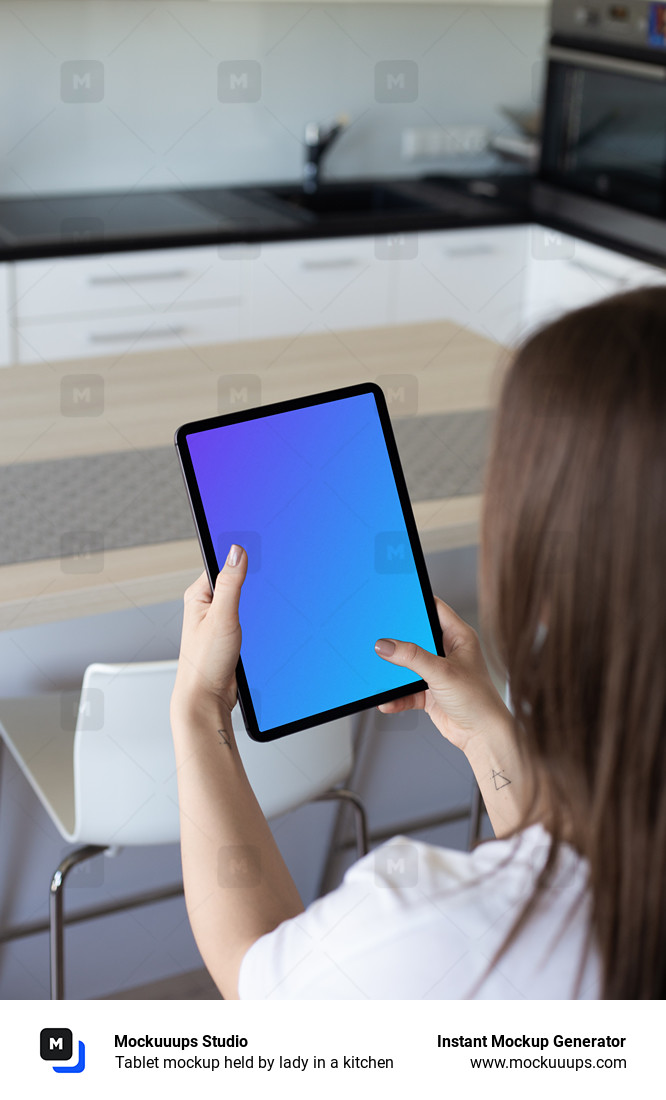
(139, 277)
(591, 269)
(473, 250)
(322, 265)
(135, 334)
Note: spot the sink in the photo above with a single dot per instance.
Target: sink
(347, 200)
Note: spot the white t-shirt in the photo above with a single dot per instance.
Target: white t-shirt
(411, 920)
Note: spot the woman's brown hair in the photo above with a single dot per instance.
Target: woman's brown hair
(573, 596)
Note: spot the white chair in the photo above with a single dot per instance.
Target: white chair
(102, 764)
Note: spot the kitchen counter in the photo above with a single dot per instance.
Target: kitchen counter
(91, 224)
(451, 371)
(67, 225)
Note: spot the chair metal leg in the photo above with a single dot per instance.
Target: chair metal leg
(360, 817)
(56, 929)
(475, 818)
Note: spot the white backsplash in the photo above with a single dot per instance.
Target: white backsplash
(147, 112)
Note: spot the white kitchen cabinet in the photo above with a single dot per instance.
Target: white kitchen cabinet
(311, 286)
(87, 337)
(95, 305)
(84, 306)
(475, 277)
(500, 281)
(6, 275)
(125, 282)
(565, 272)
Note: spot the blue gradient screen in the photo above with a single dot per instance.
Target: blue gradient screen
(310, 494)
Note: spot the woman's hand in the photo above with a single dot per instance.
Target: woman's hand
(467, 709)
(211, 640)
(461, 698)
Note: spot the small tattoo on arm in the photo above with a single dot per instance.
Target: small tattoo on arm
(225, 740)
(499, 780)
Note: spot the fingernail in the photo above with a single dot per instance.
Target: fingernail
(234, 555)
(385, 647)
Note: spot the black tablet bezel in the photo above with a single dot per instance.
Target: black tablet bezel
(212, 566)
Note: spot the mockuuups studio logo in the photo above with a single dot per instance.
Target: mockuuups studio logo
(56, 1045)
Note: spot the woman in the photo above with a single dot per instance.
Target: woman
(570, 899)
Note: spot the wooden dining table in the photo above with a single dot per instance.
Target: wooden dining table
(56, 412)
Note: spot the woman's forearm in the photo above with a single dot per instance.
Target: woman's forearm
(237, 886)
(500, 773)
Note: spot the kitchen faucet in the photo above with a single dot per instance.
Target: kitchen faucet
(318, 141)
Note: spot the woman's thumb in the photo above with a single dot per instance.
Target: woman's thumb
(228, 586)
(428, 666)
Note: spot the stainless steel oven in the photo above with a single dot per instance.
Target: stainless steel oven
(603, 158)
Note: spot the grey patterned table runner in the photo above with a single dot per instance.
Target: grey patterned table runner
(112, 501)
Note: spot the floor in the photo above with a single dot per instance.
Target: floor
(196, 985)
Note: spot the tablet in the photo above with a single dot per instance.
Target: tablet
(314, 491)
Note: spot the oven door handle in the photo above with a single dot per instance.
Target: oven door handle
(607, 64)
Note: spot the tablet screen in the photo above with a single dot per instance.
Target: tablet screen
(311, 494)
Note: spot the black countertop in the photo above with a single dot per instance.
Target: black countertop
(85, 224)
(78, 224)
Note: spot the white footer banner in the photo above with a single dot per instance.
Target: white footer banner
(321, 1048)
